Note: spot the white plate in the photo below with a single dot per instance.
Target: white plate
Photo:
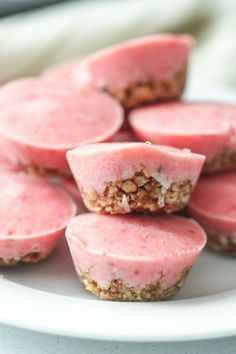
(48, 297)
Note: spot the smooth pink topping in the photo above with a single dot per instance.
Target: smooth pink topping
(26, 90)
(119, 161)
(202, 127)
(31, 206)
(136, 237)
(61, 118)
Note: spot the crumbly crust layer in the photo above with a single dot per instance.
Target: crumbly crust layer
(223, 244)
(223, 162)
(43, 171)
(119, 291)
(141, 93)
(141, 193)
(30, 258)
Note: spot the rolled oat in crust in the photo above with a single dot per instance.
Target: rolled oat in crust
(119, 291)
(223, 162)
(142, 93)
(141, 193)
(31, 258)
(223, 244)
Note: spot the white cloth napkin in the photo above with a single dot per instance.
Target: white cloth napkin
(33, 41)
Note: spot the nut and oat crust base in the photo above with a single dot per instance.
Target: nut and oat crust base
(222, 244)
(30, 258)
(119, 291)
(44, 172)
(223, 162)
(141, 193)
(141, 93)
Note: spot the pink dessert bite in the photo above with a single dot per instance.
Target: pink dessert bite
(140, 71)
(213, 205)
(34, 215)
(204, 128)
(134, 176)
(62, 119)
(133, 257)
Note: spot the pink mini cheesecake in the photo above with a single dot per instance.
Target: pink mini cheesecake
(134, 176)
(204, 128)
(213, 205)
(34, 215)
(133, 257)
(41, 122)
(140, 71)
(71, 187)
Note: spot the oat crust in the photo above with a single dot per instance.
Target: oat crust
(222, 244)
(141, 93)
(30, 258)
(119, 291)
(223, 162)
(44, 172)
(141, 193)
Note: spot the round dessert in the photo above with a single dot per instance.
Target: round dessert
(141, 71)
(133, 257)
(62, 119)
(34, 215)
(134, 176)
(70, 186)
(213, 205)
(202, 127)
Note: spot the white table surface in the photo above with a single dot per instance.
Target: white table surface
(18, 341)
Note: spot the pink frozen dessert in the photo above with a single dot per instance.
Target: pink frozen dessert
(140, 71)
(42, 122)
(202, 127)
(133, 257)
(125, 177)
(34, 215)
(213, 205)
(69, 184)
